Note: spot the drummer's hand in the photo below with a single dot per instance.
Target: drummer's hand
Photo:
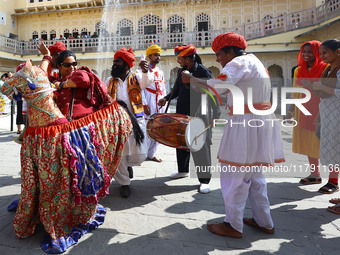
(146, 109)
(162, 102)
(186, 76)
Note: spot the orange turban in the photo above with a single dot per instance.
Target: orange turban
(185, 50)
(57, 47)
(228, 39)
(127, 55)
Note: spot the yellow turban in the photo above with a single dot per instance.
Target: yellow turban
(154, 48)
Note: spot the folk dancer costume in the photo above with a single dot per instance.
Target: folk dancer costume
(189, 103)
(305, 140)
(65, 168)
(243, 145)
(152, 94)
(129, 91)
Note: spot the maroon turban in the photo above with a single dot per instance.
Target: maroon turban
(57, 47)
(127, 55)
(228, 39)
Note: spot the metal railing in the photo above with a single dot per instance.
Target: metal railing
(266, 27)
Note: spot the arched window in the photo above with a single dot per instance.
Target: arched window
(101, 27)
(53, 34)
(35, 35)
(149, 25)
(203, 22)
(125, 27)
(66, 33)
(75, 32)
(176, 24)
(44, 35)
(84, 31)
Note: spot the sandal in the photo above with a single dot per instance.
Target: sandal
(335, 201)
(329, 188)
(312, 179)
(334, 209)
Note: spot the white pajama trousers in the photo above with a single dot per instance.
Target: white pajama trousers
(236, 188)
(152, 147)
(132, 155)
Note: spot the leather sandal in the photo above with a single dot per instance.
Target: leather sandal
(251, 222)
(335, 201)
(311, 179)
(329, 188)
(334, 209)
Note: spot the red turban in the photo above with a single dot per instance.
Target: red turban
(127, 55)
(57, 47)
(228, 39)
(185, 50)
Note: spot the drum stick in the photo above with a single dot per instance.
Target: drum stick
(202, 133)
(170, 98)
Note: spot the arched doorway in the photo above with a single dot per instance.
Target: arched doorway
(276, 79)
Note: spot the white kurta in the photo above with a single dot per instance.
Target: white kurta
(151, 96)
(132, 154)
(243, 143)
(246, 142)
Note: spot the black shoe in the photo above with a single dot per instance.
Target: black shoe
(125, 191)
(130, 170)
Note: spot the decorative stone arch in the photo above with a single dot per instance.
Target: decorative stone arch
(66, 33)
(125, 27)
(53, 34)
(149, 25)
(44, 35)
(203, 22)
(84, 31)
(35, 35)
(101, 27)
(75, 32)
(215, 71)
(175, 24)
(276, 79)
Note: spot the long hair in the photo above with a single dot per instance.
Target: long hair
(137, 131)
(195, 58)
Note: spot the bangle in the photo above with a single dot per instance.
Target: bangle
(47, 57)
(61, 85)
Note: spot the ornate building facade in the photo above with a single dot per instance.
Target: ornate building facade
(95, 29)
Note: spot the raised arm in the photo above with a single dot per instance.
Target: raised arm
(47, 56)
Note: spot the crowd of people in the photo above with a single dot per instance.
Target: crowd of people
(144, 93)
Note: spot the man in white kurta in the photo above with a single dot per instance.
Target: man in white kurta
(127, 86)
(250, 141)
(153, 93)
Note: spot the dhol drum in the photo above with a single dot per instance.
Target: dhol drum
(177, 130)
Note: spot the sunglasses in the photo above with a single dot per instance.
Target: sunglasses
(70, 64)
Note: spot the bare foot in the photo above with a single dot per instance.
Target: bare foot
(156, 159)
(223, 229)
